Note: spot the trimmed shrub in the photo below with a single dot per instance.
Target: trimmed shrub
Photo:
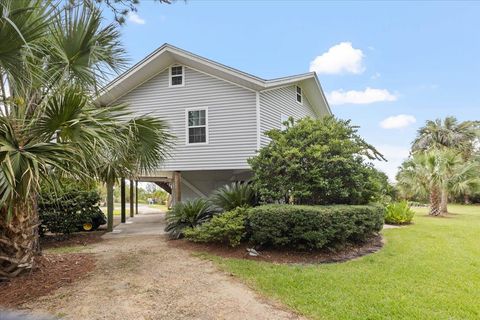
(317, 162)
(188, 214)
(313, 227)
(66, 212)
(234, 195)
(399, 213)
(228, 227)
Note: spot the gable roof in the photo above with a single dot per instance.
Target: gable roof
(167, 55)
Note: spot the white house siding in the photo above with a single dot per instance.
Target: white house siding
(277, 102)
(231, 119)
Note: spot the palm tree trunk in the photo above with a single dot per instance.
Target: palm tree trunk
(435, 200)
(444, 202)
(19, 239)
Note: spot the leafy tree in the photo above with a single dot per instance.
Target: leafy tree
(120, 8)
(52, 61)
(386, 191)
(316, 161)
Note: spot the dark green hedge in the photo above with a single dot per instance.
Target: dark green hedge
(313, 227)
(65, 213)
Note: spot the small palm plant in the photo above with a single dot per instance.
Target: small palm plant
(234, 195)
(188, 214)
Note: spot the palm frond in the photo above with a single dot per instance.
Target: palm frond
(231, 196)
(82, 51)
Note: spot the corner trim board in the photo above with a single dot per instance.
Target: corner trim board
(257, 96)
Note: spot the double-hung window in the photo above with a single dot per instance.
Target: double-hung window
(177, 76)
(283, 118)
(299, 94)
(197, 126)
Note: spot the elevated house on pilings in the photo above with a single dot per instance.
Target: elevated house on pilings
(217, 114)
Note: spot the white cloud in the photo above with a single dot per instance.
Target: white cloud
(135, 18)
(369, 95)
(375, 76)
(395, 155)
(341, 58)
(399, 121)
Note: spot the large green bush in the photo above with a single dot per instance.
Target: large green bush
(316, 161)
(188, 214)
(228, 227)
(66, 211)
(234, 195)
(313, 227)
(399, 213)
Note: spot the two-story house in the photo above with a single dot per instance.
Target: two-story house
(217, 114)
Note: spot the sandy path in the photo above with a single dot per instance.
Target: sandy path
(141, 277)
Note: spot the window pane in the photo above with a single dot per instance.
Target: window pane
(299, 90)
(197, 135)
(201, 117)
(176, 70)
(196, 118)
(299, 97)
(177, 80)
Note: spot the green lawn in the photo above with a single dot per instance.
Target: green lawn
(429, 270)
(117, 212)
(162, 207)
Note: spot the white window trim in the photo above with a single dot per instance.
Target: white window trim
(170, 85)
(187, 126)
(301, 95)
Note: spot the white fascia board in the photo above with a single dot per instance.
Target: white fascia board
(121, 85)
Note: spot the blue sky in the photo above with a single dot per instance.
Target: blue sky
(387, 66)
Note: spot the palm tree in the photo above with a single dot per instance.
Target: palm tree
(419, 176)
(52, 61)
(449, 134)
(432, 172)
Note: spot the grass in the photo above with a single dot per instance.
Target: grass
(162, 207)
(428, 270)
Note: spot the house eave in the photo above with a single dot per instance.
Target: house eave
(167, 54)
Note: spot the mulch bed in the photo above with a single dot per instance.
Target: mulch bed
(284, 256)
(51, 272)
(73, 240)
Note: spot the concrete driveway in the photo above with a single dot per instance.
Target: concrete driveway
(149, 221)
(138, 276)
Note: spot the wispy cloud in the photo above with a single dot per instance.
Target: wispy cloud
(341, 58)
(375, 76)
(367, 96)
(398, 121)
(135, 18)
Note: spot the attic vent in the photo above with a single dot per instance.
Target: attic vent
(176, 76)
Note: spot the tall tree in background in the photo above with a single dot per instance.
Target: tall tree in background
(448, 134)
(430, 173)
(52, 61)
